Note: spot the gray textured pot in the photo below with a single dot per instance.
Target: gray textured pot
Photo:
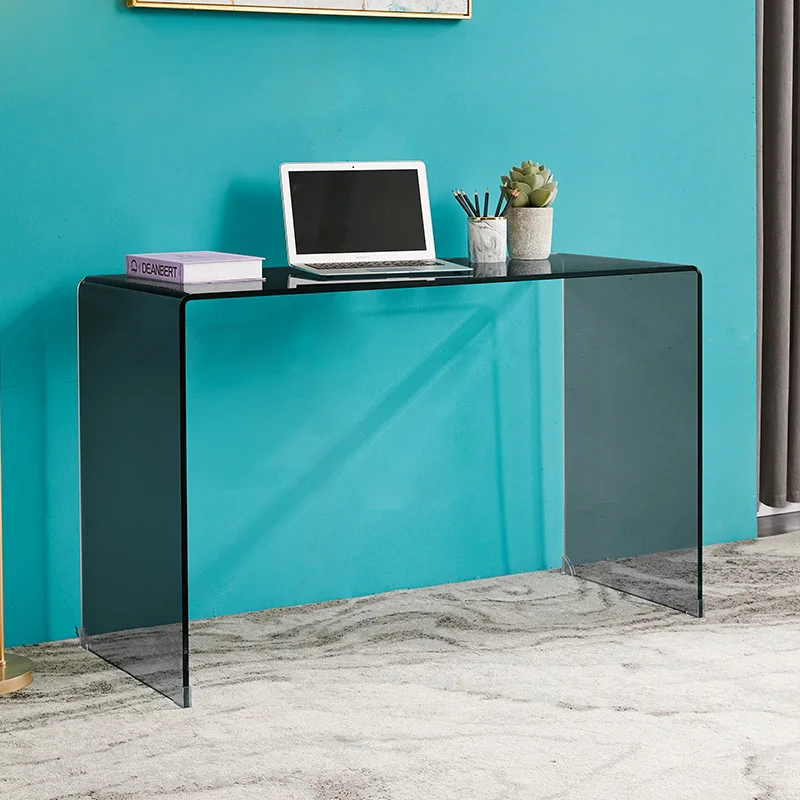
(530, 233)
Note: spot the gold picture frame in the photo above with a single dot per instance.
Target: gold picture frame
(272, 8)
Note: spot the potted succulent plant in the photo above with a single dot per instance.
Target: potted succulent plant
(530, 218)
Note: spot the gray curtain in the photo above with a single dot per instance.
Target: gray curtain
(778, 26)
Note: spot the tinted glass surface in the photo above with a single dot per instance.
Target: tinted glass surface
(557, 267)
(357, 211)
(132, 533)
(632, 434)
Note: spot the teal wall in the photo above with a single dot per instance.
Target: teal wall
(372, 441)
(124, 130)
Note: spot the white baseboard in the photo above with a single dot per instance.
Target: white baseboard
(767, 511)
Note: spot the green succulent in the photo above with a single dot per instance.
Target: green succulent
(537, 189)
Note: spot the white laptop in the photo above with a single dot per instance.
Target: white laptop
(360, 219)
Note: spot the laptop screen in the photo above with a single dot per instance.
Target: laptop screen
(357, 211)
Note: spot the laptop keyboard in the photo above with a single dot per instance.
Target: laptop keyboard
(378, 265)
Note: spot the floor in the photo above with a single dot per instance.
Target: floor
(774, 524)
(535, 686)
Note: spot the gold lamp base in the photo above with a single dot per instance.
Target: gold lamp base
(16, 674)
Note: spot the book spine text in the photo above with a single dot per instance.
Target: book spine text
(138, 267)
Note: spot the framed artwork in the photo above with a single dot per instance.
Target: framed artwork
(422, 9)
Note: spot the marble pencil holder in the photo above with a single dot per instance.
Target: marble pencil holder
(488, 238)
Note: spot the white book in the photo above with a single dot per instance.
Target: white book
(208, 288)
(224, 286)
(202, 266)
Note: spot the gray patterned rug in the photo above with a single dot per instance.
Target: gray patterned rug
(536, 686)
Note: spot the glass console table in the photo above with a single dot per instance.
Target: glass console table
(629, 338)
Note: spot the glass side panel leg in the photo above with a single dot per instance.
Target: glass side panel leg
(132, 465)
(632, 435)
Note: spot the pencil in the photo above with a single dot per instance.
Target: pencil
(467, 209)
(477, 205)
(514, 195)
(486, 204)
(462, 203)
(466, 199)
(510, 200)
(500, 199)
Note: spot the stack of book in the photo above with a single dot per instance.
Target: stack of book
(199, 267)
